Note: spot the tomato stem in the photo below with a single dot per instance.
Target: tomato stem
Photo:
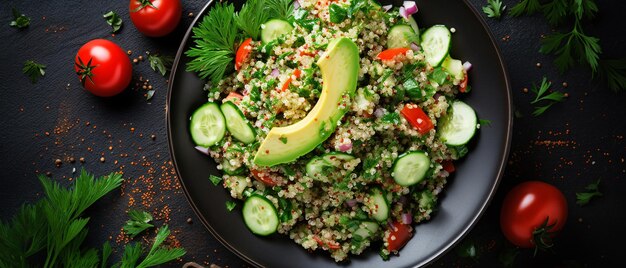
(543, 236)
(142, 4)
(85, 70)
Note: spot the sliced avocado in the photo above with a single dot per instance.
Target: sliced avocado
(339, 66)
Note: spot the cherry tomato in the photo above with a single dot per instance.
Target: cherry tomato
(530, 206)
(463, 84)
(391, 53)
(103, 68)
(398, 237)
(155, 18)
(417, 118)
(242, 53)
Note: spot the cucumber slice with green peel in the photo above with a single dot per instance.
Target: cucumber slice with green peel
(260, 215)
(274, 28)
(378, 205)
(318, 168)
(401, 35)
(453, 67)
(366, 229)
(207, 126)
(333, 157)
(237, 124)
(411, 168)
(416, 29)
(436, 44)
(459, 125)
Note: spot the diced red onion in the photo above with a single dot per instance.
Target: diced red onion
(351, 202)
(275, 73)
(436, 96)
(410, 7)
(203, 150)
(415, 47)
(467, 66)
(387, 7)
(296, 4)
(403, 13)
(380, 112)
(345, 147)
(407, 218)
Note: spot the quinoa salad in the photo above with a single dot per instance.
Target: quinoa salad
(335, 123)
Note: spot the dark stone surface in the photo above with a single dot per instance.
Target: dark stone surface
(573, 144)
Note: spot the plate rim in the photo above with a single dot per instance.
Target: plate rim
(427, 261)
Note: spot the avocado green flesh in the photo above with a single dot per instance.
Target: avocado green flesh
(339, 67)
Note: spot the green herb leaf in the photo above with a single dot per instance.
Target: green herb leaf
(230, 205)
(507, 256)
(113, 20)
(139, 222)
(494, 9)
(527, 7)
(159, 255)
(215, 179)
(570, 46)
(613, 73)
(106, 252)
(150, 94)
(214, 48)
(337, 13)
(484, 122)
(592, 191)
(468, 249)
(556, 11)
(280, 9)
(391, 118)
(251, 16)
(160, 63)
(542, 94)
(19, 21)
(34, 70)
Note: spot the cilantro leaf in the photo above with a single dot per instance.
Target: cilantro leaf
(19, 21)
(160, 63)
(572, 45)
(613, 72)
(527, 7)
(34, 70)
(494, 9)
(139, 222)
(113, 20)
(468, 249)
(555, 11)
(215, 179)
(230, 205)
(592, 191)
(542, 94)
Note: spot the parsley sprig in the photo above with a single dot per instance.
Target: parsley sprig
(139, 221)
(574, 46)
(543, 94)
(114, 20)
(20, 20)
(214, 48)
(34, 70)
(494, 9)
(160, 63)
(592, 191)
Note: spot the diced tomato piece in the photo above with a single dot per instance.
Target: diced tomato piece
(286, 84)
(463, 84)
(391, 53)
(297, 73)
(330, 244)
(399, 235)
(417, 118)
(263, 176)
(234, 97)
(243, 52)
(448, 166)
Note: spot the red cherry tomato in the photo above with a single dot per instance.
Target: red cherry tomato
(463, 84)
(155, 18)
(399, 235)
(242, 53)
(391, 53)
(103, 68)
(527, 207)
(417, 118)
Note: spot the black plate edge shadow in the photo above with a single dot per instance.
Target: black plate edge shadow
(427, 261)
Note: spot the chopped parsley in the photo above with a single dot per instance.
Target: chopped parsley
(230, 205)
(34, 70)
(215, 179)
(543, 94)
(160, 63)
(391, 118)
(283, 139)
(114, 20)
(494, 9)
(19, 21)
(592, 191)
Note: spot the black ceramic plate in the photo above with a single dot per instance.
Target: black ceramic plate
(465, 197)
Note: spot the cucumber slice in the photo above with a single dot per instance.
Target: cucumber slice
(416, 29)
(436, 44)
(459, 126)
(207, 125)
(366, 229)
(237, 123)
(334, 158)
(411, 168)
(260, 215)
(401, 35)
(453, 67)
(318, 168)
(378, 205)
(274, 28)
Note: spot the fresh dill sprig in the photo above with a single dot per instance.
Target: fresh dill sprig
(214, 48)
(543, 94)
(280, 9)
(251, 16)
(494, 9)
